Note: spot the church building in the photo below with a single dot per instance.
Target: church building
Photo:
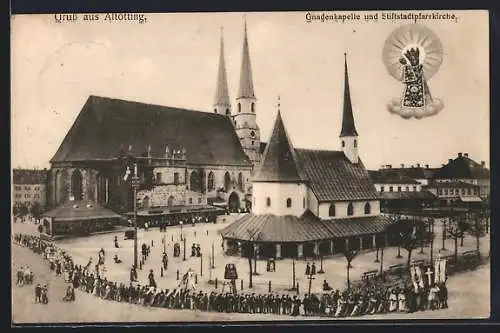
(187, 160)
(310, 202)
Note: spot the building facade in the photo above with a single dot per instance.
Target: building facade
(310, 202)
(30, 186)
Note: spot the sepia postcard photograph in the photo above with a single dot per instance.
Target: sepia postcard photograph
(260, 166)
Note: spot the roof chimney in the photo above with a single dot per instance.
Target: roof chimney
(402, 166)
(483, 164)
(459, 154)
(390, 166)
(450, 160)
(466, 154)
(427, 166)
(418, 165)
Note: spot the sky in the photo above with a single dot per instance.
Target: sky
(172, 60)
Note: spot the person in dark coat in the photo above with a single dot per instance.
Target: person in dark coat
(38, 294)
(308, 269)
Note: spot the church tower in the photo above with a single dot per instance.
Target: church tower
(348, 134)
(245, 117)
(222, 104)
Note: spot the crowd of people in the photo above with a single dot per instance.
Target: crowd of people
(367, 299)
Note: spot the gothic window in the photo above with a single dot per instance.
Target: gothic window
(414, 188)
(194, 182)
(190, 201)
(468, 191)
(76, 185)
(252, 134)
(239, 107)
(199, 200)
(268, 202)
(253, 107)
(176, 178)
(407, 189)
(350, 209)
(382, 188)
(240, 181)
(211, 181)
(252, 143)
(331, 210)
(390, 188)
(158, 178)
(399, 188)
(288, 203)
(227, 181)
(355, 143)
(343, 143)
(304, 203)
(368, 208)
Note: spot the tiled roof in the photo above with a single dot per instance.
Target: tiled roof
(406, 195)
(29, 177)
(390, 178)
(333, 177)
(462, 168)
(453, 184)
(272, 228)
(80, 210)
(279, 163)
(105, 126)
(222, 91)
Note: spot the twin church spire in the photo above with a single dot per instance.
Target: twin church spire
(244, 118)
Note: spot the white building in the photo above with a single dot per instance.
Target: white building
(311, 202)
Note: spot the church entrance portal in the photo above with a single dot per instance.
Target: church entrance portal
(233, 202)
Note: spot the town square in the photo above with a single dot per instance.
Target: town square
(238, 185)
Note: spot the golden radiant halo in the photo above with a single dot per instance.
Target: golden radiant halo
(406, 37)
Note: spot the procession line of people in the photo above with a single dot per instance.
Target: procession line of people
(355, 302)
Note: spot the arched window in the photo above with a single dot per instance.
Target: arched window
(253, 107)
(288, 203)
(331, 210)
(355, 143)
(228, 112)
(268, 202)
(76, 185)
(211, 181)
(239, 107)
(240, 181)
(368, 208)
(215, 110)
(350, 209)
(304, 203)
(170, 201)
(343, 143)
(227, 181)
(194, 182)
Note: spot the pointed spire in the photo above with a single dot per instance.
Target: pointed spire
(348, 126)
(279, 163)
(222, 91)
(246, 81)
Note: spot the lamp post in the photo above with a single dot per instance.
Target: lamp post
(213, 256)
(310, 277)
(184, 240)
(135, 186)
(181, 223)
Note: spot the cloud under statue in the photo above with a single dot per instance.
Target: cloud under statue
(412, 54)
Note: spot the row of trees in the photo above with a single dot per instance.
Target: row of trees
(22, 209)
(411, 234)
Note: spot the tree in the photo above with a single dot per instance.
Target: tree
(36, 210)
(455, 228)
(23, 209)
(477, 229)
(349, 256)
(410, 237)
(251, 253)
(15, 210)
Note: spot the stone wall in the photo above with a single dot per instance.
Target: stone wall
(159, 195)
